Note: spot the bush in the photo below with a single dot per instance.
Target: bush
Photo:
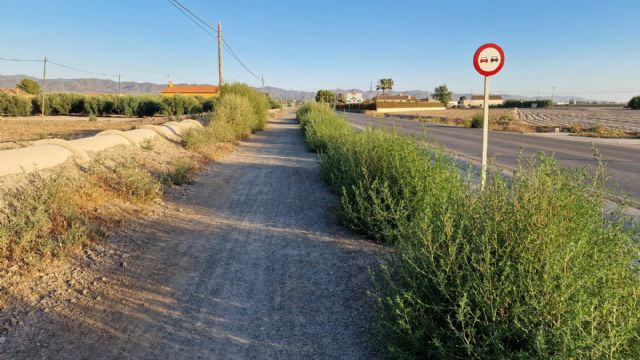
(526, 268)
(148, 105)
(13, 105)
(237, 111)
(182, 173)
(477, 121)
(634, 103)
(177, 105)
(92, 105)
(273, 105)
(128, 105)
(511, 103)
(256, 100)
(39, 219)
(321, 126)
(208, 104)
(126, 179)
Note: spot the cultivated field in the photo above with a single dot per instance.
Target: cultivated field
(611, 117)
(614, 117)
(18, 129)
(463, 114)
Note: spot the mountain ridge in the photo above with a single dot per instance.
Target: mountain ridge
(105, 86)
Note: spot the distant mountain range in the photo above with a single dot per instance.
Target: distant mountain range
(104, 86)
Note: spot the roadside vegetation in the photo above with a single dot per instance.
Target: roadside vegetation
(48, 216)
(104, 105)
(529, 267)
(240, 111)
(634, 103)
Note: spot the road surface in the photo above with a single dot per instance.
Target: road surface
(623, 162)
(250, 263)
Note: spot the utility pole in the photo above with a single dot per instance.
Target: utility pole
(44, 86)
(553, 94)
(220, 82)
(371, 90)
(119, 89)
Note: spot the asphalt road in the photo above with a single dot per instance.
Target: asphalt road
(505, 148)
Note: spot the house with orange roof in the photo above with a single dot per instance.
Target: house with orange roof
(194, 90)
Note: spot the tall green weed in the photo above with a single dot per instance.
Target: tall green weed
(529, 267)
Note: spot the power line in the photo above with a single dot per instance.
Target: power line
(81, 70)
(21, 60)
(73, 68)
(238, 58)
(192, 20)
(193, 17)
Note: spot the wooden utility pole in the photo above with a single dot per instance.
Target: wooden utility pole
(44, 86)
(220, 82)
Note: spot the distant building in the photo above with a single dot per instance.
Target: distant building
(478, 101)
(16, 91)
(194, 90)
(396, 98)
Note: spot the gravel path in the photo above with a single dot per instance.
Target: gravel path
(248, 263)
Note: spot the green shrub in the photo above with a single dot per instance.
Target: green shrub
(13, 105)
(92, 117)
(526, 268)
(321, 126)
(177, 105)
(511, 103)
(208, 104)
(273, 104)
(634, 103)
(182, 173)
(92, 105)
(237, 111)
(477, 121)
(256, 99)
(148, 105)
(128, 105)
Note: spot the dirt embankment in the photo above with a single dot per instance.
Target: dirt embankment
(249, 262)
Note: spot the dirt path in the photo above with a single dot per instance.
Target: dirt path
(249, 263)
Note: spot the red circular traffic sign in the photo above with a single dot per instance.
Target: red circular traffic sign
(488, 59)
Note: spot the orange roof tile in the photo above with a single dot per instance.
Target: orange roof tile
(191, 89)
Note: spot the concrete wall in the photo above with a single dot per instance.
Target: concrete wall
(412, 109)
(44, 154)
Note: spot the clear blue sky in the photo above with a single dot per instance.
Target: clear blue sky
(583, 47)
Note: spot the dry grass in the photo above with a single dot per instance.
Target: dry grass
(67, 127)
(498, 120)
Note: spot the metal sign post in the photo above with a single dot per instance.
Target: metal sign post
(488, 61)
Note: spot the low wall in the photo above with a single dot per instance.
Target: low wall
(409, 109)
(45, 154)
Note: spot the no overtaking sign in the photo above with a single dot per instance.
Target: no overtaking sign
(488, 61)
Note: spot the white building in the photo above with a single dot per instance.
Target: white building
(478, 101)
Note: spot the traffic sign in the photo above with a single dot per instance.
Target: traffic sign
(488, 59)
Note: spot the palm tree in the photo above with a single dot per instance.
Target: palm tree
(384, 85)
